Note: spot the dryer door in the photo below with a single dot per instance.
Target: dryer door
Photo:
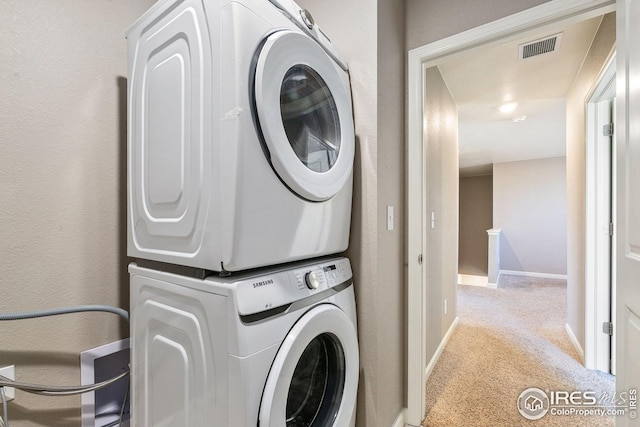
(314, 377)
(303, 103)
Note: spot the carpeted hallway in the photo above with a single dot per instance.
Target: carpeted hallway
(509, 339)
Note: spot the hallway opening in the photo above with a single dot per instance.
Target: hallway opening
(423, 338)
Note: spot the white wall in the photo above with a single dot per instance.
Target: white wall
(529, 206)
(441, 198)
(62, 185)
(576, 165)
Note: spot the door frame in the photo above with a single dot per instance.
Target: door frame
(599, 198)
(419, 59)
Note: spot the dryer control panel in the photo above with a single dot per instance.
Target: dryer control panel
(280, 288)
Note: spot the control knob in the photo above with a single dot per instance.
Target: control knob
(307, 18)
(312, 280)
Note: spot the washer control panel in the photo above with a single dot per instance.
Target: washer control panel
(281, 287)
(323, 276)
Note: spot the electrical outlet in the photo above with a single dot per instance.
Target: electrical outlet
(9, 372)
(445, 306)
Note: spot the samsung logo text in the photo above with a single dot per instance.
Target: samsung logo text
(263, 283)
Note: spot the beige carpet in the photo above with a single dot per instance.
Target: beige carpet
(509, 339)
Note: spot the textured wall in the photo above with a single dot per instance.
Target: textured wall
(62, 185)
(530, 207)
(441, 163)
(371, 36)
(431, 20)
(476, 217)
(391, 183)
(585, 82)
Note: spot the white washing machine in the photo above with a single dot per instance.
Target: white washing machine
(241, 138)
(276, 348)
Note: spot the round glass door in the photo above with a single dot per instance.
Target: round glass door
(317, 384)
(303, 103)
(310, 118)
(313, 380)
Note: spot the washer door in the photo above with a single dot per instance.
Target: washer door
(303, 103)
(314, 378)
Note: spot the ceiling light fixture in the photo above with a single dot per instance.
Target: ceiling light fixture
(519, 119)
(508, 107)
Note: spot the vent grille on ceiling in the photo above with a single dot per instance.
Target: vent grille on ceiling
(540, 47)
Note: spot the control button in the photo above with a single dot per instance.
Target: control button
(312, 280)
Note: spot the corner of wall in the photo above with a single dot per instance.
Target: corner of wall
(400, 419)
(575, 342)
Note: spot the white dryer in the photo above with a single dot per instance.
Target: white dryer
(240, 136)
(277, 348)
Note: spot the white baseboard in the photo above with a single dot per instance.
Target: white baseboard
(472, 280)
(401, 418)
(532, 274)
(575, 342)
(438, 353)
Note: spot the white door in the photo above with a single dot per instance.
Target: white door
(303, 103)
(628, 207)
(314, 378)
(605, 308)
(598, 250)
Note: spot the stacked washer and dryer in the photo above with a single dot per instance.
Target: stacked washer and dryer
(240, 160)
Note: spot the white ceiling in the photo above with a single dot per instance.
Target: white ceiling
(482, 79)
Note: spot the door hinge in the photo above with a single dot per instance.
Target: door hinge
(607, 328)
(607, 130)
(420, 259)
(610, 229)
